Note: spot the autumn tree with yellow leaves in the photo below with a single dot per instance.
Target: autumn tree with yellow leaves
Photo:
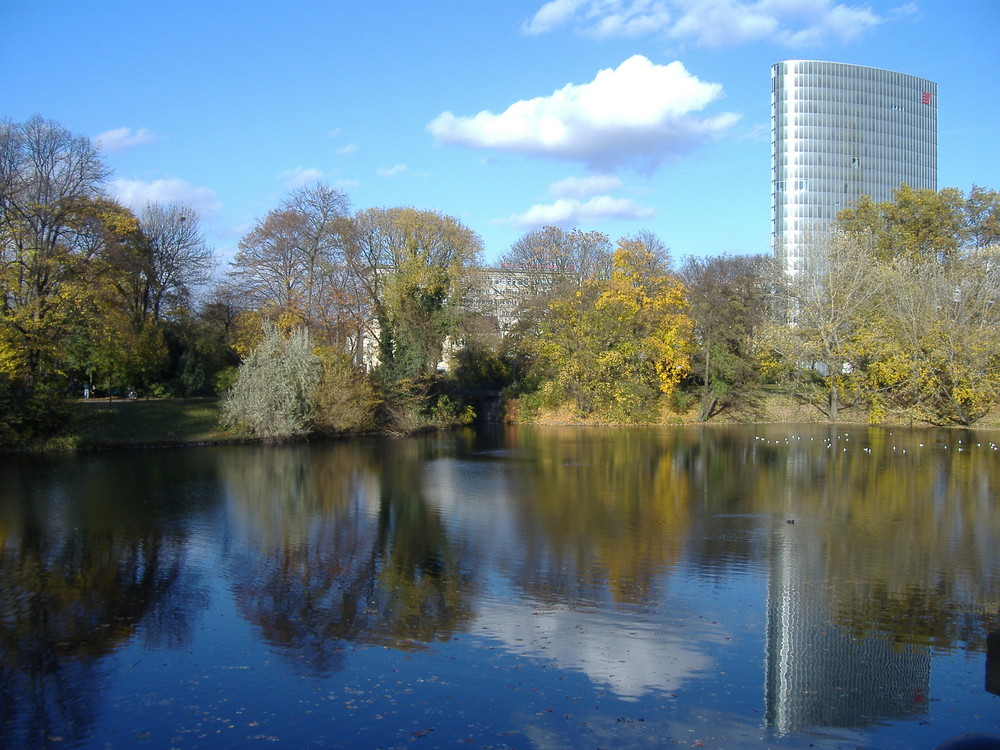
(49, 180)
(615, 348)
(89, 292)
(897, 312)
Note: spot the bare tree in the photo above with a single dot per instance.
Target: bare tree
(572, 256)
(544, 265)
(825, 307)
(292, 265)
(179, 258)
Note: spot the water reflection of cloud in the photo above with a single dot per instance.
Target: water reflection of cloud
(629, 656)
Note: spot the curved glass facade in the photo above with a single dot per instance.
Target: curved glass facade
(838, 132)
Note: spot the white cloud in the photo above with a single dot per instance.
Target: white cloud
(638, 114)
(121, 139)
(581, 187)
(566, 212)
(713, 23)
(618, 652)
(629, 19)
(839, 22)
(392, 171)
(136, 194)
(717, 23)
(349, 150)
(301, 176)
(552, 15)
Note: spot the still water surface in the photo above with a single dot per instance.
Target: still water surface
(728, 587)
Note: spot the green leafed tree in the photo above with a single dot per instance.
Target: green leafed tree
(416, 268)
(728, 298)
(926, 224)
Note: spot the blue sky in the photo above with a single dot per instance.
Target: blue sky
(615, 115)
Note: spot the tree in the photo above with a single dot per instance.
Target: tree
(728, 297)
(927, 348)
(932, 346)
(49, 179)
(179, 259)
(345, 399)
(553, 262)
(292, 269)
(272, 397)
(116, 342)
(926, 224)
(573, 256)
(614, 347)
(982, 216)
(824, 308)
(415, 267)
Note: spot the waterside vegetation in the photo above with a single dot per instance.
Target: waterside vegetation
(331, 322)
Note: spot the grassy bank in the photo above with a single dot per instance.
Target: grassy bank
(775, 408)
(163, 422)
(118, 423)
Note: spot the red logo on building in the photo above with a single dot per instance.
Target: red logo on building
(925, 97)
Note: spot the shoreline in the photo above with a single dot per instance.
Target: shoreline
(122, 424)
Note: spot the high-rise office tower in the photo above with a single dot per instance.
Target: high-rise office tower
(838, 132)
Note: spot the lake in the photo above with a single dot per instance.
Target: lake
(523, 587)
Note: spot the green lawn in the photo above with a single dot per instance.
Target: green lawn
(103, 423)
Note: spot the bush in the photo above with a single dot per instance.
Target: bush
(344, 399)
(272, 395)
(30, 420)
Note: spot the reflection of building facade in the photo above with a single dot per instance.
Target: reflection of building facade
(818, 674)
(839, 132)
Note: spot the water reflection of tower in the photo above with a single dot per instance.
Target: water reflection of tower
(818, 674)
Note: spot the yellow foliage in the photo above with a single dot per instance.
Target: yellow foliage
(614, 344)
(248, 331)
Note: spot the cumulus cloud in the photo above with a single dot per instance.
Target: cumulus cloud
(137, 193)
(121, 139)
(349, 150)
(711, 23)
(566, 212)
(639, 114)
(301, 176)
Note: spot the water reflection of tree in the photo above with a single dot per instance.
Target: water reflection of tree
(343, 549)
(90, 558)
(905, 521)
(66, 602)
(906, 539)
(602, 510)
